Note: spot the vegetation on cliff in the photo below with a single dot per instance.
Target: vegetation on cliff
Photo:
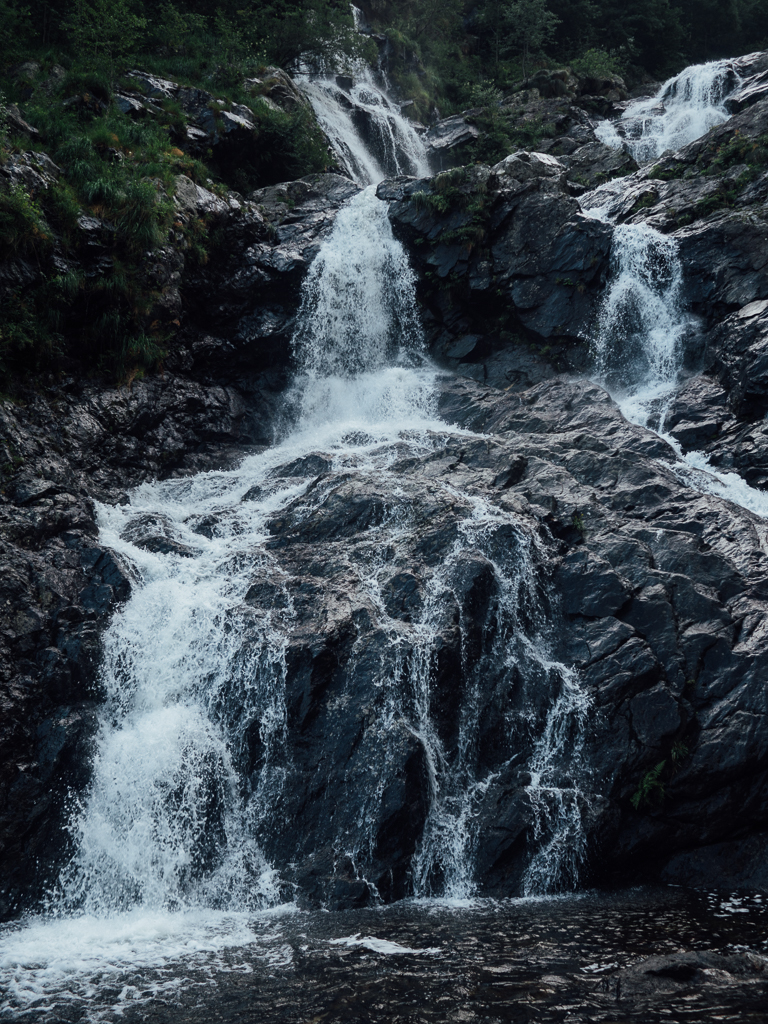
(442, 49)
(90, 152)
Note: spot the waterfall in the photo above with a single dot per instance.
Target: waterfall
(371, 138)
(684, 108)
(643, 324)
(639, 344)
(193, 766)
(639, 348)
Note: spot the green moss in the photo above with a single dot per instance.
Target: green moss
(645, 201)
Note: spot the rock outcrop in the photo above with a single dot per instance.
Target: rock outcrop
(504, 253)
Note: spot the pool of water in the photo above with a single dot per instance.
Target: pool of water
(646, 955)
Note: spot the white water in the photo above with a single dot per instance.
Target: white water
(167, 868)
(684, 109)
(643, 324)
(366, 129)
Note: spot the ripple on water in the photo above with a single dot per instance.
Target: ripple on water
(560, 959)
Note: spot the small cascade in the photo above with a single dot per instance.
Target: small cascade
(643, 327)
(366, 129)
(683, 109)
(517, 643)
(558, 792)
(639, 344)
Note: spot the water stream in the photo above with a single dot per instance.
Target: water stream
(684, 108)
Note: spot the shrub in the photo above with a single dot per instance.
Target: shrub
(651, 788)
(597, 64)
(23, 228)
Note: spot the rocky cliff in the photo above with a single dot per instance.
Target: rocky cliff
(659, 590)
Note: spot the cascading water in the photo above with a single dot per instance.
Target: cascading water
(366, 129)
(639, 344)
(168, 839)
(639, 348)
(683, 109)
(370, 136)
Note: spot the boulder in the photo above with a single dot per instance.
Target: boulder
(513, 234)
(448, 141)
(36, 172)
(16, 122)
(278, 88)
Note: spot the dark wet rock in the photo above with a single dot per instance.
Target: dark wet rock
(557, 105)
(710, 196)
(595, 163)
(663, 976)
(658, 598)
(72, 442)
(657, 592)
(744, 862)
(520, 262)
(154, 533)
(752, 71)
(448, 141)
(58, 451)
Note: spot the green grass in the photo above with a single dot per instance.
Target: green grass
(122, 171)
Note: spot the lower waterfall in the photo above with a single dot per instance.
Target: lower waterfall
(192, 769)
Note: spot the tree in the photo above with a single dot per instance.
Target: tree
(531, 25)
(103, 31)
(15, 27)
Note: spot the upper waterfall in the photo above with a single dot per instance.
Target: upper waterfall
(684, 108)
(369, 134)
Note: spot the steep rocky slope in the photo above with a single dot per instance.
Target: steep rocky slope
(658, 590)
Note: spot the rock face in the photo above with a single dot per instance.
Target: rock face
(654, 597)
(656, 593)
(562, 106)
(504, 253)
